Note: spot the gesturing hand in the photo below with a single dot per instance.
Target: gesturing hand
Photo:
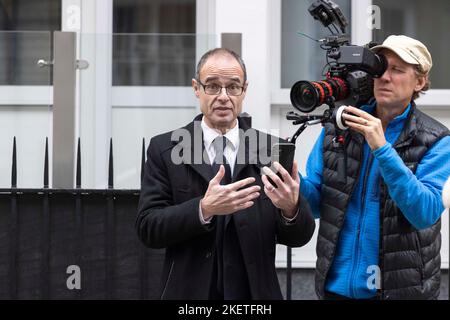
(225, 199)
(285, 195)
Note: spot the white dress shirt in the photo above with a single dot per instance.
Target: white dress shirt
(231, 148)
(230, 153)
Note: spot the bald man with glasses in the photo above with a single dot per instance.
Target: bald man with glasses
(216, 219)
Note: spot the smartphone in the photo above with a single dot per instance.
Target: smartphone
(284, 154)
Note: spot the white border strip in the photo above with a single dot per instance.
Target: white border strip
(153, 97)
(26, 95)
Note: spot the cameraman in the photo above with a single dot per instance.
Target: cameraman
(379, 235)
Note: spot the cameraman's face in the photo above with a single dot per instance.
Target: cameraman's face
(397, 85)
(220, 110)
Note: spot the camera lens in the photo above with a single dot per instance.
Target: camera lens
(306, 95)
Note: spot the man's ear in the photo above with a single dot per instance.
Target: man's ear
(421, 81)
(196, 87)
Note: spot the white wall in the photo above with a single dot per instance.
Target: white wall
(251, 17)
(30, 125)
(129, 126)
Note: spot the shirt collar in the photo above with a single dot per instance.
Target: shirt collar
(209, 134)
(370, 108)
(402, 116)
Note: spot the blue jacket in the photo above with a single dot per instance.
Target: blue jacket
(418, 196)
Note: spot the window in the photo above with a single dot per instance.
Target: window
(425, 21)
(24, 37)
(302, 58)
(154, 42)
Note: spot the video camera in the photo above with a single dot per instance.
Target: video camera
(350, 73)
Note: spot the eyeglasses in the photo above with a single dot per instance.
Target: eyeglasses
(215, 89)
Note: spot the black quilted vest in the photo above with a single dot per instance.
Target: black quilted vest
(409, 258)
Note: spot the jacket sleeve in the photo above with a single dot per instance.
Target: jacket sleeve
(160, 223)
(419, 195)
(298, 232)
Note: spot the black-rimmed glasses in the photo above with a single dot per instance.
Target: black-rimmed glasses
(215, 89)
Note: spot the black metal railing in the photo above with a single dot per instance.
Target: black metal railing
(44, 231)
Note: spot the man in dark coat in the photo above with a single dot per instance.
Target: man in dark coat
(201, 196)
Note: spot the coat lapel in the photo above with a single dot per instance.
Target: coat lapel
(255, 154)
(198, 160)
(249, 154)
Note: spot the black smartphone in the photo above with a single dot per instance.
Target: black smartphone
(284, 154)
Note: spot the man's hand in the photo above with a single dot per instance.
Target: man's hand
(285, 195)
(366, 124)
(225, 199)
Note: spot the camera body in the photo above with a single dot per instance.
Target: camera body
(350, 71)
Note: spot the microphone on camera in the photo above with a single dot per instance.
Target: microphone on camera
(446, 194)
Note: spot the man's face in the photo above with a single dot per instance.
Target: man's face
(221, 110)
(397, 85)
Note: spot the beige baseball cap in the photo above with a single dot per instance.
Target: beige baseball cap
(409, 50)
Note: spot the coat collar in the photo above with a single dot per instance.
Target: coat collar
(199, 160)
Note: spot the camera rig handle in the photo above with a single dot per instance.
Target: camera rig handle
(338, 140)
(304, 121)
(309, 120)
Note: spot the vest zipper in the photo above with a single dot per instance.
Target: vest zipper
(421, 265)
(360, 220)
(347, 141)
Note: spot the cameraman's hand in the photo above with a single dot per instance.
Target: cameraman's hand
(366, 124)
(285, 195)
(225, 199)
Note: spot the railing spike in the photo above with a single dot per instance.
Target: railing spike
(14, 166)
(111, 166)
(46, 164)
(78, 174)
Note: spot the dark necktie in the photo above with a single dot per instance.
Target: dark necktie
(219, 144)
(232, 282)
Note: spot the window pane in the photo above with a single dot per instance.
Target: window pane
(30, 15)
(23, 42)
(302, 58)
(427, 21)
(164, 58)
(19, 54)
